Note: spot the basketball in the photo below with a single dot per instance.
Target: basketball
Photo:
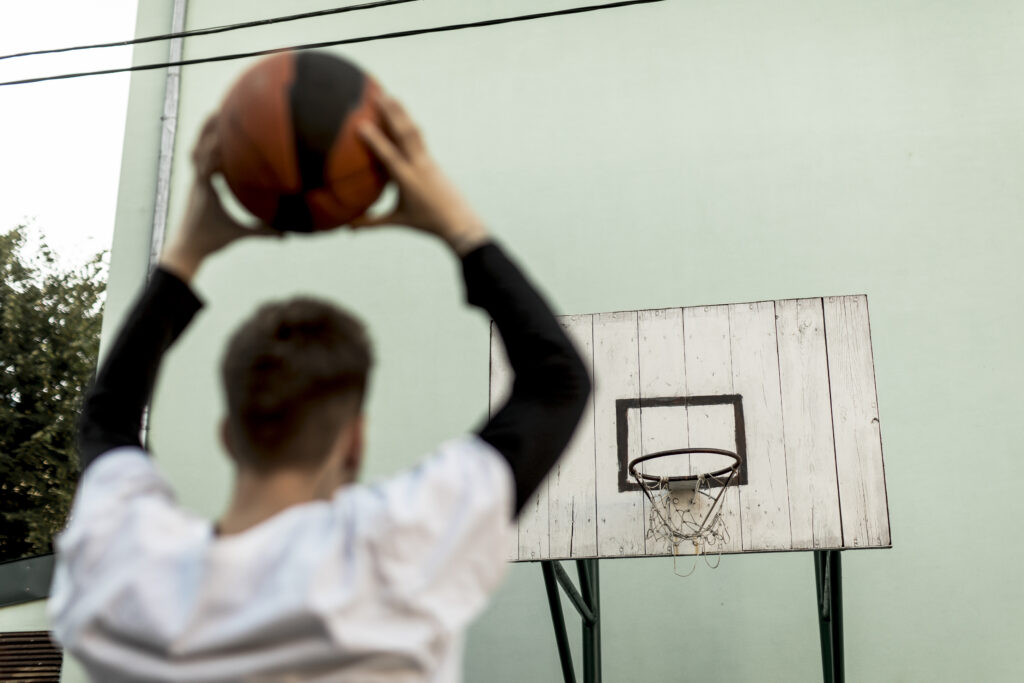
(290, 151)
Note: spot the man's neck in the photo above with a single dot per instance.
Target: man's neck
(258, 497)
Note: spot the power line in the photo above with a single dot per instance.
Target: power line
(345, 41)
(213, 29)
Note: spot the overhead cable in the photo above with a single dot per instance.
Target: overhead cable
(213, 29)
(344, 41)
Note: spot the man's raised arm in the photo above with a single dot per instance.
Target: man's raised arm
(116, 401)
(551, 384)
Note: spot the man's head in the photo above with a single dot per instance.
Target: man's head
(294, 375)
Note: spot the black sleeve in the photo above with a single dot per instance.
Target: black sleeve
(551, 384)
(115, 403)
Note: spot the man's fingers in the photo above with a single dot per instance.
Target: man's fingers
(383, 148)
(401, 126)
(208, 163)
(206, 153)
(209, 127)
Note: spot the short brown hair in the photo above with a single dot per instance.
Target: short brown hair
(294, 374)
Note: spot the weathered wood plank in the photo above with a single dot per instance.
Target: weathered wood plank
(755, 376)
(662, 375)
(709, 372)
(572, 500)
(534, 534)
(862, 496)
(807, 420)
(620, 526)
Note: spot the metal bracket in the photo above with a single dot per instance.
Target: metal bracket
(828, 577)
(586, 600)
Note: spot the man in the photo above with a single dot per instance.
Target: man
(308, 575)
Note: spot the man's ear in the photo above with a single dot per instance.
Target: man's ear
(357, 441)
(225, 441)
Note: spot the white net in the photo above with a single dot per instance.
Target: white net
(688, 514)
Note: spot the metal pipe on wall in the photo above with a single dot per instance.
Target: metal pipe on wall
(169, 129)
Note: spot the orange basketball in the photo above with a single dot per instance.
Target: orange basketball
(291, 154)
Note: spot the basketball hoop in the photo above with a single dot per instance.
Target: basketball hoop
(675, 518)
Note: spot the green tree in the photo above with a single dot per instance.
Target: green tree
(50, 319)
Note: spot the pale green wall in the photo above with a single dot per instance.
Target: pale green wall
(28, 616)
(129, 258)
(134, 209)
(677, 154)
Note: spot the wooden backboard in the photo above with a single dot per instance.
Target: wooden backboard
(788, 384)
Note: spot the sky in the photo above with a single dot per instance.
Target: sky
(61, 142)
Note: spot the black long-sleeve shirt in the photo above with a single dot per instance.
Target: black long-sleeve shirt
(531, 430)
(551, 384)
(116, 402)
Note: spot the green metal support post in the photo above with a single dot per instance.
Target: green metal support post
(828, 577)
(558, 619)
(587, 570)
(586, 601)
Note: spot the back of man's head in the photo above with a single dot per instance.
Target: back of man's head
(294, 374)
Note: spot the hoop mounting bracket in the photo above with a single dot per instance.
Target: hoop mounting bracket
(586, 600)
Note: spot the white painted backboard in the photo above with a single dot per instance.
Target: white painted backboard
(788, 384)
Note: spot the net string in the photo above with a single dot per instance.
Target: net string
(695, 522)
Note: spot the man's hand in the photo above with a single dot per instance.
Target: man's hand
(427, 200)
(206, 226)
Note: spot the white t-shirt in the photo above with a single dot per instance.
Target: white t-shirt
(376, 584)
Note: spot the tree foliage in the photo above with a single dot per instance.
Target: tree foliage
(50, 319)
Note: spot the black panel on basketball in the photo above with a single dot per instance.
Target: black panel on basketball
(324, 92)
